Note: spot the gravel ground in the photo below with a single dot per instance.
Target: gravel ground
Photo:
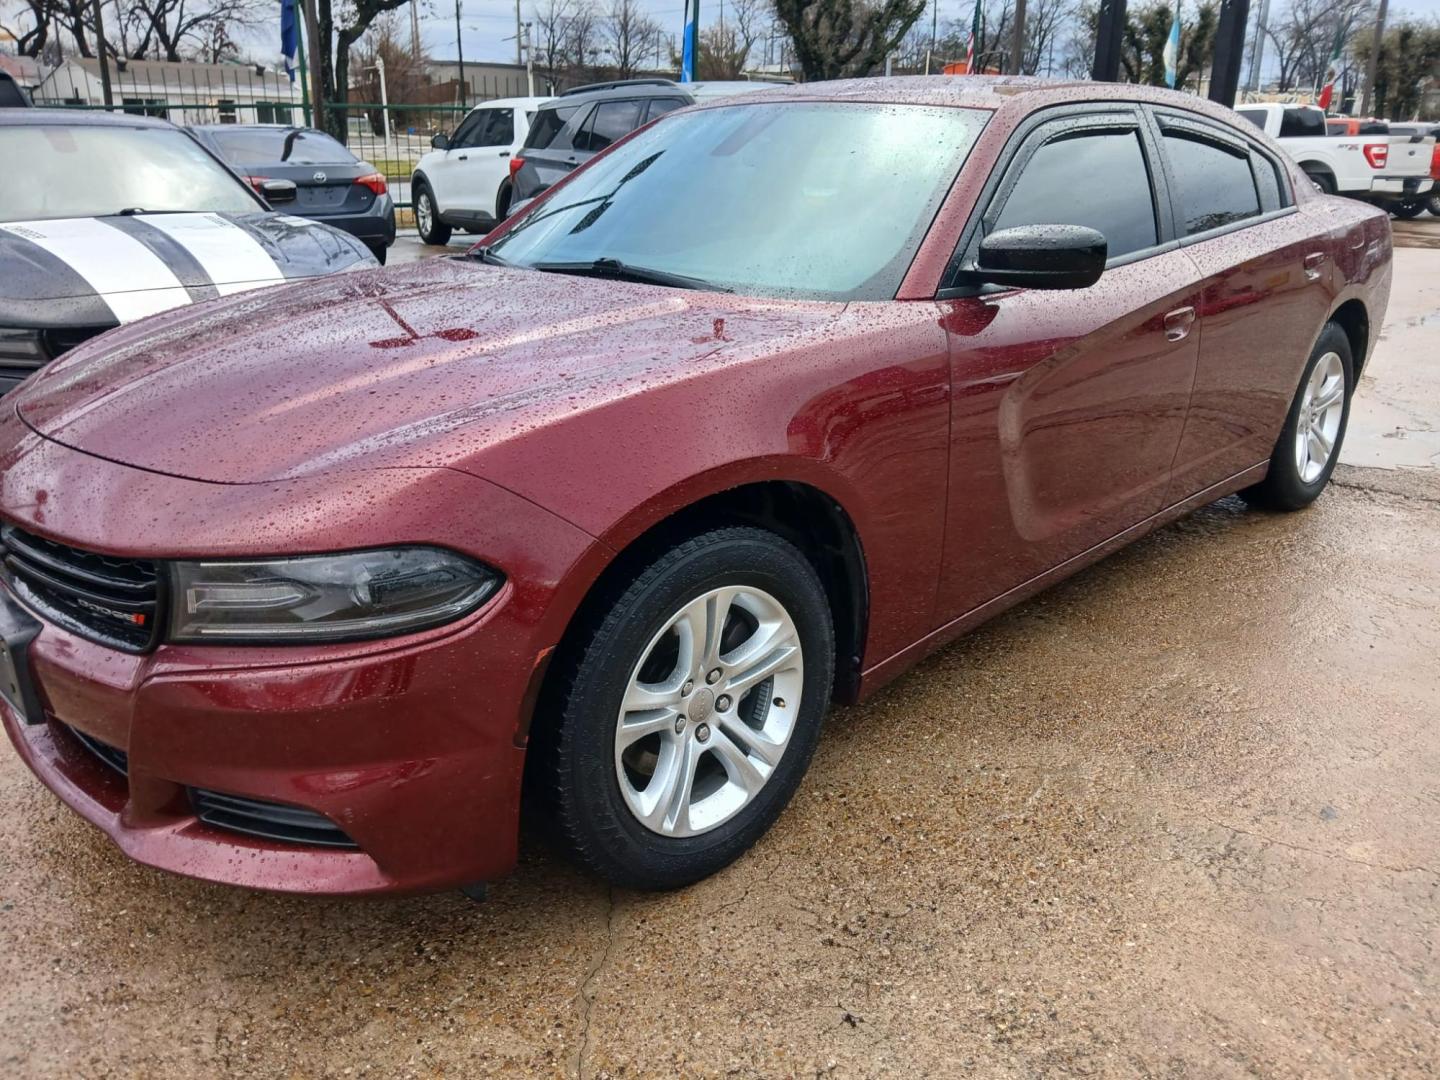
(1175, 817)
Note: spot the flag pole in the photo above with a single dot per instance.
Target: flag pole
(304, 77)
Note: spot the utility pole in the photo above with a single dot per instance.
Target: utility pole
(384, 102)
(1257, 49)
(1108, 34)
(934, 25)
(415, 30)
(1017, 41)
(518, 61)
(1229, 51)
(1372, 68)
(530, 61)
(104, 64)
(318, 62)
(460, 57)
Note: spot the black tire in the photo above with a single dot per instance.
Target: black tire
(378, 250)
(503, 199)
(1433, 205)
(574, 760)
(435, 231)
(1322, 180)
(1284, 488)
(1409, 208)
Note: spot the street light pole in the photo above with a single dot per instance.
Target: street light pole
(1017, 41)
(384, 103)
(518, 60)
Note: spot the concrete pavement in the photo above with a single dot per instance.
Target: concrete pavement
(1175, 817)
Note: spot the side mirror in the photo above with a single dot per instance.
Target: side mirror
(278, 191)
(440, 141)
(1042, 257)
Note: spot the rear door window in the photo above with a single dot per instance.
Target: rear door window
(1295, 123)
(661, 105)
(497, 129)
(548, 123)
(1212, 182)
(1255, 116)
(1114, 197)
(611, 120)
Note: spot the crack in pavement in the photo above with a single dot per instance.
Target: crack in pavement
(585, 995)
(1316, 851)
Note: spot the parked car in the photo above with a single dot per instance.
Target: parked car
(331, 184)
(573, 128)
(108, 218)
(464, 182)
(1413, 207)
(620, 503)
(1383, 169)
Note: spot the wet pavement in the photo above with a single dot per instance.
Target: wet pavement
(1176, 817)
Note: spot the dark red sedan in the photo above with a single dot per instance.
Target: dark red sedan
(772, 399)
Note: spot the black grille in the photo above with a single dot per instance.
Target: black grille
(270, 821)
(18, 362)
(110, 755)
(113, 601)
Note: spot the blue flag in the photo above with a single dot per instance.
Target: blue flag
(289, 35)
(690, 43)
(1172, 48)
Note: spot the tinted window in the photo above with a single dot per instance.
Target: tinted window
(611, 120)
(1114, 195)
(254, 146)
(1255, 116)
(548, 123)
(660, 106)
(496, 129)
(1295, 123)
(92, 171)
(1213, 185)
(787, 180)
(467, 131)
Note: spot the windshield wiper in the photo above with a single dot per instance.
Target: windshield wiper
(485, 255)
(614, 268)
(131, 211)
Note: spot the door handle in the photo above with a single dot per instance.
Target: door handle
(1313, 262)
(1178, 323)
(464, 157)
(504, 153)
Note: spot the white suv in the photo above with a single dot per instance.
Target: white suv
(464, 182)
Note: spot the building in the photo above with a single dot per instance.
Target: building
(184, 93)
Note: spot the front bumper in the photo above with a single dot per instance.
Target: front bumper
(413, 746)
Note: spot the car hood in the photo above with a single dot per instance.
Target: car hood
(420, 364)
(105, 270)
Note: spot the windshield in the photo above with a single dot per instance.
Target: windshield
(255, 146)
(77, 171)
(815, 200)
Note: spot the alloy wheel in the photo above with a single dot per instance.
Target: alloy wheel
(708, 711)
(422, 214)
(1321, 410)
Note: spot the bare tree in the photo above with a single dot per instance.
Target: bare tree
(725, 47)
(1303, 36)
(56, 24)
(630, 35)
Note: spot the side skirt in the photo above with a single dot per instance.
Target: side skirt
(877, 676)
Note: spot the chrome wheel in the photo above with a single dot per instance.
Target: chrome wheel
(1321, 409)
(423, 214)
(708, 711)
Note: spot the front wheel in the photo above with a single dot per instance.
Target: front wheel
(1309, 443)
(689, 711)
(427, 218)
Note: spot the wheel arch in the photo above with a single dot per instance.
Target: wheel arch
(798, 511)
(1353, 318)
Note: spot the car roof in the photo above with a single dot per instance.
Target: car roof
(511, 103)
(641, 88)
(1017, 94)
(78, 118)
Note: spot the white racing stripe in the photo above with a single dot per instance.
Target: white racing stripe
(127, 275)
(232, 257)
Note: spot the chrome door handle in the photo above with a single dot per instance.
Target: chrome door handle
(1313, 262)
(1178, 323)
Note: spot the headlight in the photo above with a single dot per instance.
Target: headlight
(348, 597)
(25, 346)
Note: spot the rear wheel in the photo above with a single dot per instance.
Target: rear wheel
(1408, 208)
(427, 217)
(503, 201)
(1309, 444)
(1323, 181)
(689, 711)
(1433, 205)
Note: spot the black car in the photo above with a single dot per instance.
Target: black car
(331, 184)
(573, 128)
(12, 94)
(108, 218)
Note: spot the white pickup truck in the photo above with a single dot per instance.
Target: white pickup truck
(1386, 170)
